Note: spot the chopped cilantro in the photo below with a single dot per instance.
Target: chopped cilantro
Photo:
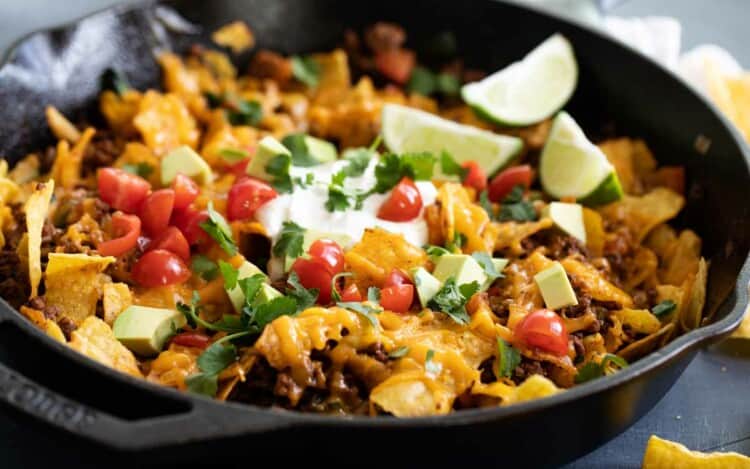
(243, 112)
(484, 202)
(399, 352)
(359, 160)
(430, 365)
(455, 244)
(301, 156)
(425, 82)
(664, 308)
(218, 229)
(303, 296)
(435, 251)
(230, 275)
(267, 312)
(488, 266)
(210, 363)
(450, 167)
(305, 70)
(392, 168)
(205, 267)
(373, 295)
(447, 84)
(139, 169)
(278, 167)
(115, 80)
(451, 299)
(515, 207)
(508, 358)
(365, 310)
(290, 242)
(592, 370)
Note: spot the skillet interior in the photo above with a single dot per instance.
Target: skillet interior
(617, 85)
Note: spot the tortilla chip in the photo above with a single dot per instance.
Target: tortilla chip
(693, 310)
(115, 298)
(665, 454)
(459, 214)
(510, 234)
(662, 240)
(641, 214)
(95, 339)
(75, 282)
(647, 344)
(683, 259)
(236, 36)
(165, 122)
(619, 152)
(36, 209)
(49, 326)
(412, 394)
(674, 293)
(61, 127)
(25, 170)
(379, 252)
(594, 283)
(534, 387)
(592, 221)
(66, 169)
(640, 321)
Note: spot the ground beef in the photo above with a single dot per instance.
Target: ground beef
(287, 387)
(268, 64)
(47, 159)
(377, 351)
(487, 371)
(527, 368)
(583, 306)
(102, 151)
(67, 325)
(15, 286)
(383, 36)
(577, 339)
(556, 245)
(258, 387)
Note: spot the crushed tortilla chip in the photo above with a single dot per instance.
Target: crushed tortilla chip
(49, 326)
(684, 256)
(25, 170)
(36, 209)
(379, 252)
(534, 387)
(165, 122)
(693, 310)
(95, 339)
(74, 283)
(236, 36)
(66, 169)
(412, 394)
(641, 321)
(595, 236)
(116, 297)
(641, 214)
(61, 127)
(665, 454)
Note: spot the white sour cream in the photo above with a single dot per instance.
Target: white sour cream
(306, 207)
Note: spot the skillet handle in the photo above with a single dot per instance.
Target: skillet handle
(201, 419)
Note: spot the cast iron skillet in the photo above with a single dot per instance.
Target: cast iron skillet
(46, 380)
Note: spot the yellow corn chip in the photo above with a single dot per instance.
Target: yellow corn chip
(640, 320)
(95, 339)
(642, 214)
(36, 209)
(592, 221)
(54, 331)
(236, 35)
(25, 170)
(74, 283)
(693, 310)
(412, 394)
(61, 126)
(683, 259)
(534, 387)
(665, 454)
(115, 298)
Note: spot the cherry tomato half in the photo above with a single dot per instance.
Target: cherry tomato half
(188, 221)
(396, 64)
(397, 277)
(121, 190)
(351, 293)
(239, 169)
(543, 329)
(507, 179)
(185, 191)
(246, 196)
(314, 274)
(404, 204)
(329, 253)
(171, 240)
(191, 339)
(397, 298)
(475, 176)
(125, 232)
(158, 268)
(156, 210)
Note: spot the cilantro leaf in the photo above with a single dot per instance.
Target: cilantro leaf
(250, 286)
(435, 251)
(305, 70)
(422, 81)
(201, 383)
(278, 167)
(114, 80)
(399, 352)
(455, 244)
(514, 207)
(392, 168)
(297, 145)
(364, 309)
(139, 169)
(243, 112)
(450, 167)
(431, 366)
(451, 299)
(280, 306)
(359, 159)
(373, 295)
(664, 308)
(204, 267)
(508, 358)
(216, 357)
(447, 84)
(592, 370)
(303, 296)
(338, 196)
(484, 202)
(290, 242)
(488, 266)
(233, 155)
(191, 313)
(218, 229)
(230, 275)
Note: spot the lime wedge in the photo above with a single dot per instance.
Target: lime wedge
(571, 166)
(528, 91)
(407, 129)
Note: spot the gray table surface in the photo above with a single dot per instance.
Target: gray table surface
(707, 409)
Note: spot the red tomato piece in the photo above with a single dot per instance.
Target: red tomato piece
(192, 339)
(188, 221)
(156, 210)
(397, 298)
(121, 190)
(396, 64)
(239, 169)
(351, 293)
(171, 240)
(507, 179)
(404, 204)
(185, 191)
(125, 232)
(314, 274)
(158, 268)
(397, 277)
(543, 329)
(246, 196)
(475, 176)
(329, 253)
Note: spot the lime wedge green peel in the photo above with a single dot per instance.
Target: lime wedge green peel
(572, 166)
(411, 130)
(528, 91)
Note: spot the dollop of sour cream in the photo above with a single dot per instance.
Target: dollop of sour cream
(305, 206)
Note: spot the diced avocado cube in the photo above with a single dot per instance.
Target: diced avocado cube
(427, 285)
(322, 150)
(247, 269)
(311, 236)
(568, 218)
(463, 268)
(144, 330)
(266, 294)
(186, 161)
(268, 148)
(555, 287)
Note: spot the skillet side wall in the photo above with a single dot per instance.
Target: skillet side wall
(62, 68)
